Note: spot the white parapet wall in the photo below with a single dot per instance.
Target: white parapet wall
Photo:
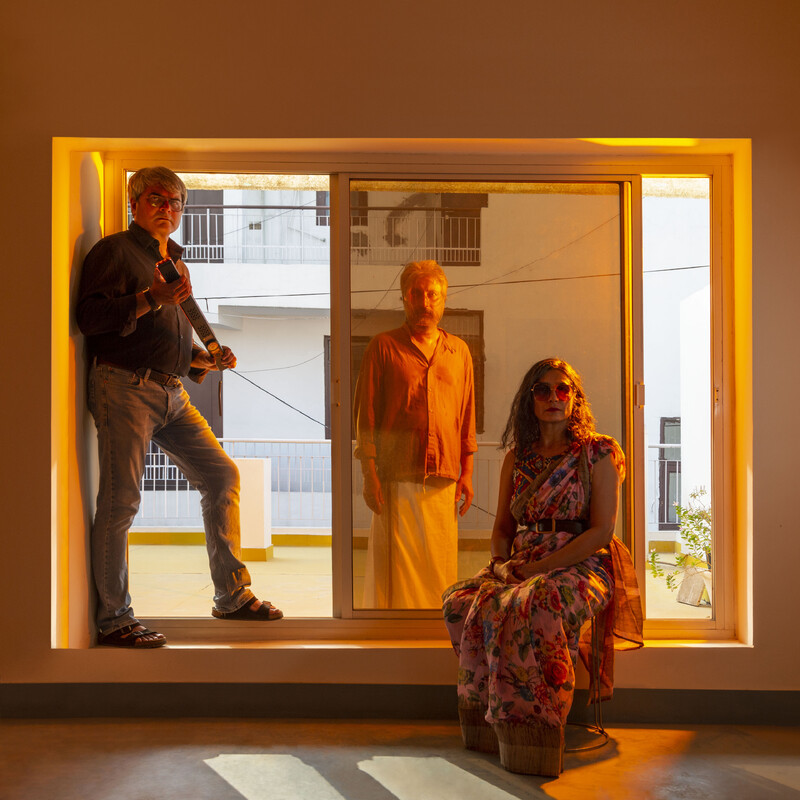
(174, 517)
(255, 508)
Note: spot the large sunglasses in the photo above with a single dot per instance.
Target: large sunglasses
(543, 391)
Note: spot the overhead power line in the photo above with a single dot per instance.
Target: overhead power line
(452, 285)
(275, 397)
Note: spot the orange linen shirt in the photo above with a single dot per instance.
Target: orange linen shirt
(415, 418)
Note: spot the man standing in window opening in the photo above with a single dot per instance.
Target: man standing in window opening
(415, 438)
(139, 344)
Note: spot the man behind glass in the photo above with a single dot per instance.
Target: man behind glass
(415, 432)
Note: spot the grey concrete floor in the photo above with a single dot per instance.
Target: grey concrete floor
(119, 759)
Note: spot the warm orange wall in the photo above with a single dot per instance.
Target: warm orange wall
(521, 69)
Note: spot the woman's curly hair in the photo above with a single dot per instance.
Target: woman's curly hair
(522, 428)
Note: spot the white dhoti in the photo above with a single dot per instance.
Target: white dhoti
(412, 556)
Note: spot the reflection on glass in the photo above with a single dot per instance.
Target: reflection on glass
(533, 272)
(677, 364)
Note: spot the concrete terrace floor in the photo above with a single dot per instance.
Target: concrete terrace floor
(227, 759)
(173, 581)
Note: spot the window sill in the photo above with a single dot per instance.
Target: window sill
(300, 633)
(312, 633)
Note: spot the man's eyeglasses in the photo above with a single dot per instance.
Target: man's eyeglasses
(419, 294)
(543, 391)
(159, 201)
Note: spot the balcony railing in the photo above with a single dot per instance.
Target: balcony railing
(302, 483)
(300, 235)
(254, 235)
(301, 486)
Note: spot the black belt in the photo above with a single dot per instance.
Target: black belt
(566, 525)
(147, 374)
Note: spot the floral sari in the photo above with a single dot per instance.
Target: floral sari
(518, 644)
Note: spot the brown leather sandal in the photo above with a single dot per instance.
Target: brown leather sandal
(266, 612)
(132, 636)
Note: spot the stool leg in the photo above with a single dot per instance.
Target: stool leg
(476, 732)
(595, 697)
(531, 748)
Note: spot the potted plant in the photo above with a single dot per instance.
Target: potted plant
(694, 520)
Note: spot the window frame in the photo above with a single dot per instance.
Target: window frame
(340, 187)
(721, 377)
(633, 499)
(343, 168)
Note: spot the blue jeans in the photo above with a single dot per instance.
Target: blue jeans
(129, 412)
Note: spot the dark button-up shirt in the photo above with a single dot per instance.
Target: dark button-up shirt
(415, 417)
(116, 268)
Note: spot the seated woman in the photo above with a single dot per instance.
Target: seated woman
(554, 565)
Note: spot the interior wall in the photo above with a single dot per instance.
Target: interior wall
(520, 71)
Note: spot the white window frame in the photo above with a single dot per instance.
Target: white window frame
(721, 376)
(347, 623)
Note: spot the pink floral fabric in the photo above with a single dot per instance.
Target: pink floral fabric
(518, 645)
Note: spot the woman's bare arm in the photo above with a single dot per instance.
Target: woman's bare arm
(505, 526)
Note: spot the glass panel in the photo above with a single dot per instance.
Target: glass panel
(258, 249)
(677, 374)
(533, 272)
